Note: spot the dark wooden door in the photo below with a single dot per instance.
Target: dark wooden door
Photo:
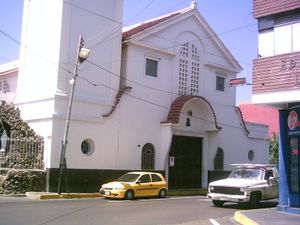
(185, 170)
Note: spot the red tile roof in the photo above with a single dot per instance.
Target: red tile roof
(177, 106)
(146, 25)
(117, 100)
(150, 23)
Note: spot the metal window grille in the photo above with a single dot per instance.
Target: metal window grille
(189, 70)
(22, 153)
(148, 156)
(4, 87)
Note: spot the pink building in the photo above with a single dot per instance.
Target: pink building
(261, 114)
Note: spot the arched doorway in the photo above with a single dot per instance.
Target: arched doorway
(191, 119)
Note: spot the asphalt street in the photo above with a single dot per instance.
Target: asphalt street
(168, 211)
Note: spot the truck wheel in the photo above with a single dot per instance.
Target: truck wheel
(254, 200)
(218, 203)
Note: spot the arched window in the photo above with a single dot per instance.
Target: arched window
(148, 156)
(251, 155)
(219, 160)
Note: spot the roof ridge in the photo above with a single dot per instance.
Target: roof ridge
(138, 27)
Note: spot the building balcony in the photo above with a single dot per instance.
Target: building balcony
(276, 80)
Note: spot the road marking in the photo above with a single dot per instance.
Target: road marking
(214, 222)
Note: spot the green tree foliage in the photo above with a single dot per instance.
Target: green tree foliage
(21, 181)
(273, 149)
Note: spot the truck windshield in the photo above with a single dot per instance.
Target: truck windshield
(255, 174)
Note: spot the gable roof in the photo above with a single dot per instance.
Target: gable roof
(142, 28)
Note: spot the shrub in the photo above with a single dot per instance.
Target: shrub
(21, 181)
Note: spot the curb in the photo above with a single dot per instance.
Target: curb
(13, 195)
(242, 219)
(46, 196)
(52, 195)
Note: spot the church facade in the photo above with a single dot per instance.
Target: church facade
(152, 96)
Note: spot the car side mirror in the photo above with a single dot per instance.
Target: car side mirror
(139, 181)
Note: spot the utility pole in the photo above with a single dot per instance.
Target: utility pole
(81, 55)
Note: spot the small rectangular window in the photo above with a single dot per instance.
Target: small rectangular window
(151, 67)
(283, 39)
(220, 83)
(266, 23)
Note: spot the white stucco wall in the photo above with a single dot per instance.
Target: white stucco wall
(50, 34)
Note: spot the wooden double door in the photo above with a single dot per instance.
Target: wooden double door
(185, 162)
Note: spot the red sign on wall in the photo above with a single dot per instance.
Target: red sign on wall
(237, 81)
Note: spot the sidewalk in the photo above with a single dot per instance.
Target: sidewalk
(266, 217)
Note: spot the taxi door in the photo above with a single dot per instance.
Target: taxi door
(144, 186)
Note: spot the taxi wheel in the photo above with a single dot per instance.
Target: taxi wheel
(162, 193)
(129, 195)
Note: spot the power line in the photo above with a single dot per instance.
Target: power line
(174, 45)
(157, 36)
(139, 13)
(115, 28)
(94, 84)
(42, 57)
(156, 104)
(134, 82)
(98, 66)
(164, 91)
(138, 98)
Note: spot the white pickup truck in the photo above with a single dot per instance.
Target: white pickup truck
(247, 183)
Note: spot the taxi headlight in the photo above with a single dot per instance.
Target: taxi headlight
(118, 187)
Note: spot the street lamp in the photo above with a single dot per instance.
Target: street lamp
(81, 56)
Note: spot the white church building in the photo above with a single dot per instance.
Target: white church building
(152, 96)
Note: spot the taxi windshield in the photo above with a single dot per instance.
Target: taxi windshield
(128, 177)
(241, 173)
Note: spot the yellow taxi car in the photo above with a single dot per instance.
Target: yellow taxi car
(135, 184)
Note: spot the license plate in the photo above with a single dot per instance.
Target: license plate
(107, 192)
